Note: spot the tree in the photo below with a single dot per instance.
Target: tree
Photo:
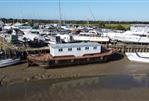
(120, 27)
(101, 24)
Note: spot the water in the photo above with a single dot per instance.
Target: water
(120, 80)
(93, 88)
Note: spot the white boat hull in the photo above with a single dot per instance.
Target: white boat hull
(128, 37)
(138, 56)
(9, 62)
(133, 39)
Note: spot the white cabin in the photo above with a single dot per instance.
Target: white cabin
(75, 49)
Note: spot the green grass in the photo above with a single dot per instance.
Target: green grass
(111, 26)
(126, 26)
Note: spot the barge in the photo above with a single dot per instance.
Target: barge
(71, 54)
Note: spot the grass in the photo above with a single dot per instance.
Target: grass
(126, 26)
(117, 26)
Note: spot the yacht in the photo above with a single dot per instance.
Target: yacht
(140, 35)
(138, 56)
(129, 37)
(136, 34)
(59, 38)
(9, 62)
(92, 36)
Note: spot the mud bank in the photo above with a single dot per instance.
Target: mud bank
(23, 73)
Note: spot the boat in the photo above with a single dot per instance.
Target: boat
(9, 62)
(138, 56)
(140, 35)
(92, 36)
(130, 37)
(6, 60)
(136, 34)
(59, 38)
(31, 35)
(11, 58)
(71, 54)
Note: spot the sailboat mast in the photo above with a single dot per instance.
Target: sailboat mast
(91, 13)
(60, 20)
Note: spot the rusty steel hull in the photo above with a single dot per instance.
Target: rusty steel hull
(47, 61)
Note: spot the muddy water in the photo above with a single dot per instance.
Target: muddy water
(101, 88)
(119, 80)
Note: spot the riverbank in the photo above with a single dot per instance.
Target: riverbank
(23, 73)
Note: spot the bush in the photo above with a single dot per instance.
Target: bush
(120, 27)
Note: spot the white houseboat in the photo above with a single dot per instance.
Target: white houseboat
(71, 54)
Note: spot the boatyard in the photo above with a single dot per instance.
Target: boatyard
(50, 60)
(23, 48)
(74, 50)
(21, 39)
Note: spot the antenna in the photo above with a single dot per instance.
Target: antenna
(88, 21)
(21, 18)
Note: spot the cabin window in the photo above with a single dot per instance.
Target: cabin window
(69, 49)
(94, 47)
(86, 48)
(78, 48)
(60, 50)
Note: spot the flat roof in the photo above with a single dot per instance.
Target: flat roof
(81, 44)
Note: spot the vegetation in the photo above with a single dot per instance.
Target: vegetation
(118, 26)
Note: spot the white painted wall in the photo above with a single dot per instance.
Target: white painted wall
(75, 52)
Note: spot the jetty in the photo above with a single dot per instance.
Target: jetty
(118, 46)
(124, 47)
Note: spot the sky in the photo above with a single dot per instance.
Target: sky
(116, 10)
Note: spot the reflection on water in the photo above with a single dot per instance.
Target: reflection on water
(63, 87)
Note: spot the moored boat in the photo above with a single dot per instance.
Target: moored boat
(9, 62)
(138, 56)
(91, 36)
(71, 54)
